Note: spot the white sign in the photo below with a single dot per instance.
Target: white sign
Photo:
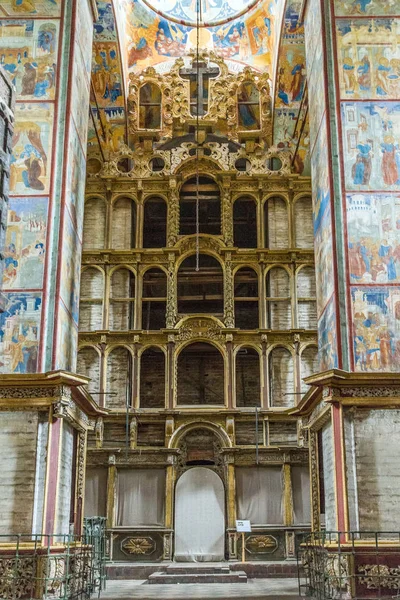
(243, 526)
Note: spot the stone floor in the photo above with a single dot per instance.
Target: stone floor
(255, 589)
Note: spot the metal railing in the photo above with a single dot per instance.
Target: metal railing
(53, 567)
(350, 565)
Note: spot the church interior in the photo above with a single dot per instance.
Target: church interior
(200, 297)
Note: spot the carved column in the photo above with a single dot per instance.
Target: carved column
(288, 494)
(173, 214)
(80, 481)
(111, 491)
(133, 431)
(229, 306)
(231, 504)
(140, 218)
(264, 372)
(107, 241)
(169, 506)
(227, 214)
(170, 371)
(230, 373)
(52, 475)
(314, 480)
(172, 300)
(135, 373)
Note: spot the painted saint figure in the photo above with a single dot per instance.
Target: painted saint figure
(361, 171)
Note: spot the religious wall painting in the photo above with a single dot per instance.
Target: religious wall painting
(25, 247)
(105, 27)
(67, 341)
(313, 30)
(369, 58)
(366, 7)
(107, 75)
(373, 226)
(80, 98)
(316, 94)
(376, 328)
(322, 220)
(76, 178)
(327, 338)
(371, 133)
(84, 34)
(291, 76)
(32, 149)
(28, 52)
(285, 120)
(260, 27)
(30, 8)
(293, 28)
(70, 269)
(20, 332)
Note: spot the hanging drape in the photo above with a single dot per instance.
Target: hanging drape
(301, 495)
(140, 497)
(259, 493)
(96, 492)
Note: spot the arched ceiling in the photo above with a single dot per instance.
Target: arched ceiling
(131, 35)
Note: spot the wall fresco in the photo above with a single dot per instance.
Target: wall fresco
(322, 220)
(371, 131)
(32, 146)
(25, 249)
(67, 341)
(70, 269)
(76, 179)
(327, 338)
(106, 75)
(376, 323)
(19, 332)
(28, 52)
(30, 8)
(369, 58)
(373, 222)
(366, 7)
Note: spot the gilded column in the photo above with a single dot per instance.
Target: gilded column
(172, 300)
(264, 372)
(227, 215)
(288, 495)
(231, 504)
(230, 374)
(314, 481)
(173, 214)
(170, 371)
(229, 308)
(169, 507)
(111, 491)
(80, 481)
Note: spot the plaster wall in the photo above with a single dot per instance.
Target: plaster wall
(18, 441)
(329, 478)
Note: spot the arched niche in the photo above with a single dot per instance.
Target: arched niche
(201, 291)
(309, 365)
(279, 309)
(209, 202)
(150, 106)
(122, 300)
(155, 223)
(306, 298)
(246, 299)
(123, 224)
(88, 364)
(276, 224)
(245, 222)
(201, 376)
(119, 379)
(303, 223)
(152, 378)
(281, 378)
(248, 101)
(94, 224)
(91, 300)
(248, 381)
(154, 299)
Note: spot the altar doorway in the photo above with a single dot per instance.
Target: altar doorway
(199, 516)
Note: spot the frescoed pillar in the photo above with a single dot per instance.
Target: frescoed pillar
(353, 68)
(46, 46)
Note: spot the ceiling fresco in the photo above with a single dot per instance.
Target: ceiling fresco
(242, 31)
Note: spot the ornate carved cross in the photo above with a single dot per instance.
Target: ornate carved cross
(199, 75)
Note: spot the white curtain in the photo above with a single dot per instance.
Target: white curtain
(140, 497)
(199, 516)
(301, 495)
(259, 493)
(96, 492)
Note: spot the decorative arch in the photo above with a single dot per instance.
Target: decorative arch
(94, 223)
(306, 297)
(247, 376)
(150, 99)
(123, 222)
(200, 374)
(278, 297)
(122, 298)
(245, 222)
(183, 430)
(152, 377)
(206, 284)
(303, 222)
(154, 298)
(119, 377)
(246, 298)
(207, 190)
(91, 298)
(281, 370)
(88, 364)
(276, 222)
(155, 222)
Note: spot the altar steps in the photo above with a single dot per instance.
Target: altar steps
(197, 574)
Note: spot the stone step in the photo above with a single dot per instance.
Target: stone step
(161, 578)
(195, 568)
